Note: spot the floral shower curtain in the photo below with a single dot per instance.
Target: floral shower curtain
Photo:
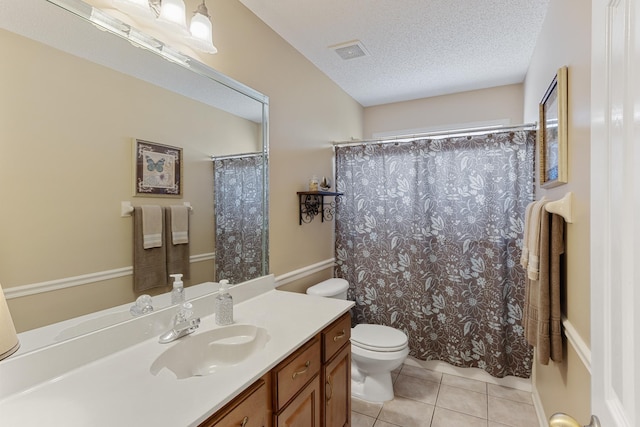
(428, 234)
(238, 210)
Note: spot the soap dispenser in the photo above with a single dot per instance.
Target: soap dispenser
(177, 294)
(224, 305)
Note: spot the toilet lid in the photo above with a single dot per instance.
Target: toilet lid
(329, 288)
(378, 338)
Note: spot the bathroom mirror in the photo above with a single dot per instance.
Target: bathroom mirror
(76, 90)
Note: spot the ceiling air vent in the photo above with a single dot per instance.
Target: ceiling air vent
(350, 50)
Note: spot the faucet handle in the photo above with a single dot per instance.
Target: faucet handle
(143, 305)
(185, 312)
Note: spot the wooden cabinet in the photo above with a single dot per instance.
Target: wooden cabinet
(336, 373)
(252, 408)
(310, 388)
(337, 390)
(304, 410)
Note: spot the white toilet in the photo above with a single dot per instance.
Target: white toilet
(376, 350)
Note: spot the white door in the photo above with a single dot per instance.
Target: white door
(615, 212)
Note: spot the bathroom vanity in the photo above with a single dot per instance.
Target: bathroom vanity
(312, 387)
(120, 375)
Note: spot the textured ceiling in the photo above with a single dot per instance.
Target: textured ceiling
(417, 48)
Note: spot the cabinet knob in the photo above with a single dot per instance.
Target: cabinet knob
(245, 420)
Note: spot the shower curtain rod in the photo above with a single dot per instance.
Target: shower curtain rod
(441, 134)
(236, 156)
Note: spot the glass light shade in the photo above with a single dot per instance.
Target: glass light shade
(140, 3)
(201, 33)
(174, 12)
(134, 8)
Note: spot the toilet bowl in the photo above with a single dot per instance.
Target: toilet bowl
(376, 350)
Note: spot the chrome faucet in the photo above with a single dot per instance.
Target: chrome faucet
(183, 324)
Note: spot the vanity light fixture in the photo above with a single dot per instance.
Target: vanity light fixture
(171, 15)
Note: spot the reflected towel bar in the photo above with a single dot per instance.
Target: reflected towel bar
(562, 207)
(126, 208)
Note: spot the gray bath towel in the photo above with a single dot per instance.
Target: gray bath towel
(149, 265)
(542, 319)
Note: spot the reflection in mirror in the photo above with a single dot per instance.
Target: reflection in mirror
(72, 103)
(239, 216)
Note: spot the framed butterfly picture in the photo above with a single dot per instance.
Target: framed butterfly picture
(157, 169)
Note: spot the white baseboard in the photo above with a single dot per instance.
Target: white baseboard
(84, 279)
(537, 405)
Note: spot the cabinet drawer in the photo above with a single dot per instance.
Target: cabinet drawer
(252, 408)
(335, 336)
(296, 371)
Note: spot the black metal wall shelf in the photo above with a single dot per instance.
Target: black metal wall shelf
(312, 204)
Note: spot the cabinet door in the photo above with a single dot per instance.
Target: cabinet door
(304, 410)
(251, 409)
(337, 390)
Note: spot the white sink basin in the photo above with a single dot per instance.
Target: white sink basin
(202, 353)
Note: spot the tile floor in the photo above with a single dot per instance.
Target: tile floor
(432, 399)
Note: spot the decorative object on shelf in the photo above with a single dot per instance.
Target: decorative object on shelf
(325, 184)
(157, 169)
(312, 204)
(171, 16)
(552, 133)
(313, 183)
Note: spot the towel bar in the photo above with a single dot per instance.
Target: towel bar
(126, 208)
(562, 207)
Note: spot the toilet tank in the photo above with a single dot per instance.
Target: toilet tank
(330, 288)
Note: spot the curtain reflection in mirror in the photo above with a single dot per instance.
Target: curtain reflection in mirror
(238, 215)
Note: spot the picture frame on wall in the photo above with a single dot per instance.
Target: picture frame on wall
(552, 132)
(157, 169)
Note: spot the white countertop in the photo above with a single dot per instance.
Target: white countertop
(119, 389)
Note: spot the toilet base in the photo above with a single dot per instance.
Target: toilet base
(375, 388)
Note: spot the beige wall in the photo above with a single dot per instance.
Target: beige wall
(502, 104)
(565, 40)
(307, 111)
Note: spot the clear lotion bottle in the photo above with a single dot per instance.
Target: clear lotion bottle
(224, 305)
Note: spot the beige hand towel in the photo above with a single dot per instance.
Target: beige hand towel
(177, 254)
(533, 265)
(149, 265)
(179, 225)
(524, 257)
(152, 226)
